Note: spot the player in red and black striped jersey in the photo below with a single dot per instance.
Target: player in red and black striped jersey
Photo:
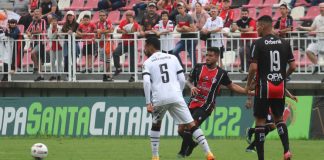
(270, 56)
(204, 81)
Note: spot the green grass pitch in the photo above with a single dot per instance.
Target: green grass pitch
(133, 148)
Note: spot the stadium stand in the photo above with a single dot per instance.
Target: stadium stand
(298, 12)
(312, 12)
(64, 4)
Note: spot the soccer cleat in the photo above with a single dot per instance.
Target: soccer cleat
(250, 149)
(248, 135)
(155, 158)
(191, 148)
(210, 156)
(287, 156)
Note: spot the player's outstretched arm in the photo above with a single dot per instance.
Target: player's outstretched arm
(238, 89)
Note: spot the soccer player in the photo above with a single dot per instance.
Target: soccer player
(270, 56)
(204, 81)
(164, 82)
(269, 123)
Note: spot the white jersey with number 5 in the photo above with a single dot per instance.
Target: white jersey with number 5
(167, 79)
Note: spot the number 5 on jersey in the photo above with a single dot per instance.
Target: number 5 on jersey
(164, 73)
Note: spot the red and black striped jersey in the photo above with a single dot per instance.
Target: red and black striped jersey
(208, 81)
(272, 54)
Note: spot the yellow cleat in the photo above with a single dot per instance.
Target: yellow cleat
(210, 156)
(155, 158)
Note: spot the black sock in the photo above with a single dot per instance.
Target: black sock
(259, 141)
(183, 144)
(283, 133)
(252, 130)
(266, 132)
(186, 141)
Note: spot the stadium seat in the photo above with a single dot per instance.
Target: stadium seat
(302, 3)
(253, 4)
(298, 12)
(237, 14)
(312, 12)
(253, 13)
(265, 11)
(129, 6)
(76, 5)
(90, 5)
(229, 59)
(269, 3)
(114, 16)
(276, 15)
(21, 28)
(64, 4)
(82, 14)
(95, 17)
(63, 20)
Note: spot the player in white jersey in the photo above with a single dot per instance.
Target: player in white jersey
(164, 81)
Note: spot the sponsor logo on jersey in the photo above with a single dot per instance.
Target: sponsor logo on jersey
(267, 42)
(275, 77)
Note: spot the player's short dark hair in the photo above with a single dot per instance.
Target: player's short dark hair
(215, 50)
(86, 16)
(245, 10)
(155, 42)
(164, 12)
(265, 19)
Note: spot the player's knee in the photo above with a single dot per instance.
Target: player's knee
(193, 129)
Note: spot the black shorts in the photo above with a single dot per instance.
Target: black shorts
(199, 115)
(261, 107)
(87, 49)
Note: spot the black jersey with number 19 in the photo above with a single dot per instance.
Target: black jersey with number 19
(272, 54)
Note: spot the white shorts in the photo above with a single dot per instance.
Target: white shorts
(179, 112)
(316, 48)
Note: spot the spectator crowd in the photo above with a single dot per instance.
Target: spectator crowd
(210, 19)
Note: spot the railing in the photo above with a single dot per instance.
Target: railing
(70, 60)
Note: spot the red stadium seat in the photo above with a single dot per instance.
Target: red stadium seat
(21, 28)
(265, 11)
(237, 14)
(312, 12)
(253, 3)
(95, 17)
(302, 3)
(252, 13)
(276, 15)
(63, 20)
(114, 16)
(269, 3)
(76, 5)
(90, 5)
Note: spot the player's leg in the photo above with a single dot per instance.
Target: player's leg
(157, 116)
(277, 107)
(181, 114)
(268, 128)
(116, 56)
(199, 115)
(260, 113)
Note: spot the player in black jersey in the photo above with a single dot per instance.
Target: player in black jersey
(270, 56)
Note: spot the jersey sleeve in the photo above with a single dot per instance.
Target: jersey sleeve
(178, 65)
(290, 54)
(145, 69)
(254, 53)
(226, 80)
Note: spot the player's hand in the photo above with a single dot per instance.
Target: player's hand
(294, 98)
(194, 91)
(149, 108)
(251, 93)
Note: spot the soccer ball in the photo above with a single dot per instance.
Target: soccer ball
(39, 151)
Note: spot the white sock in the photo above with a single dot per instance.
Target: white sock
(199, 136)
(155, 142)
